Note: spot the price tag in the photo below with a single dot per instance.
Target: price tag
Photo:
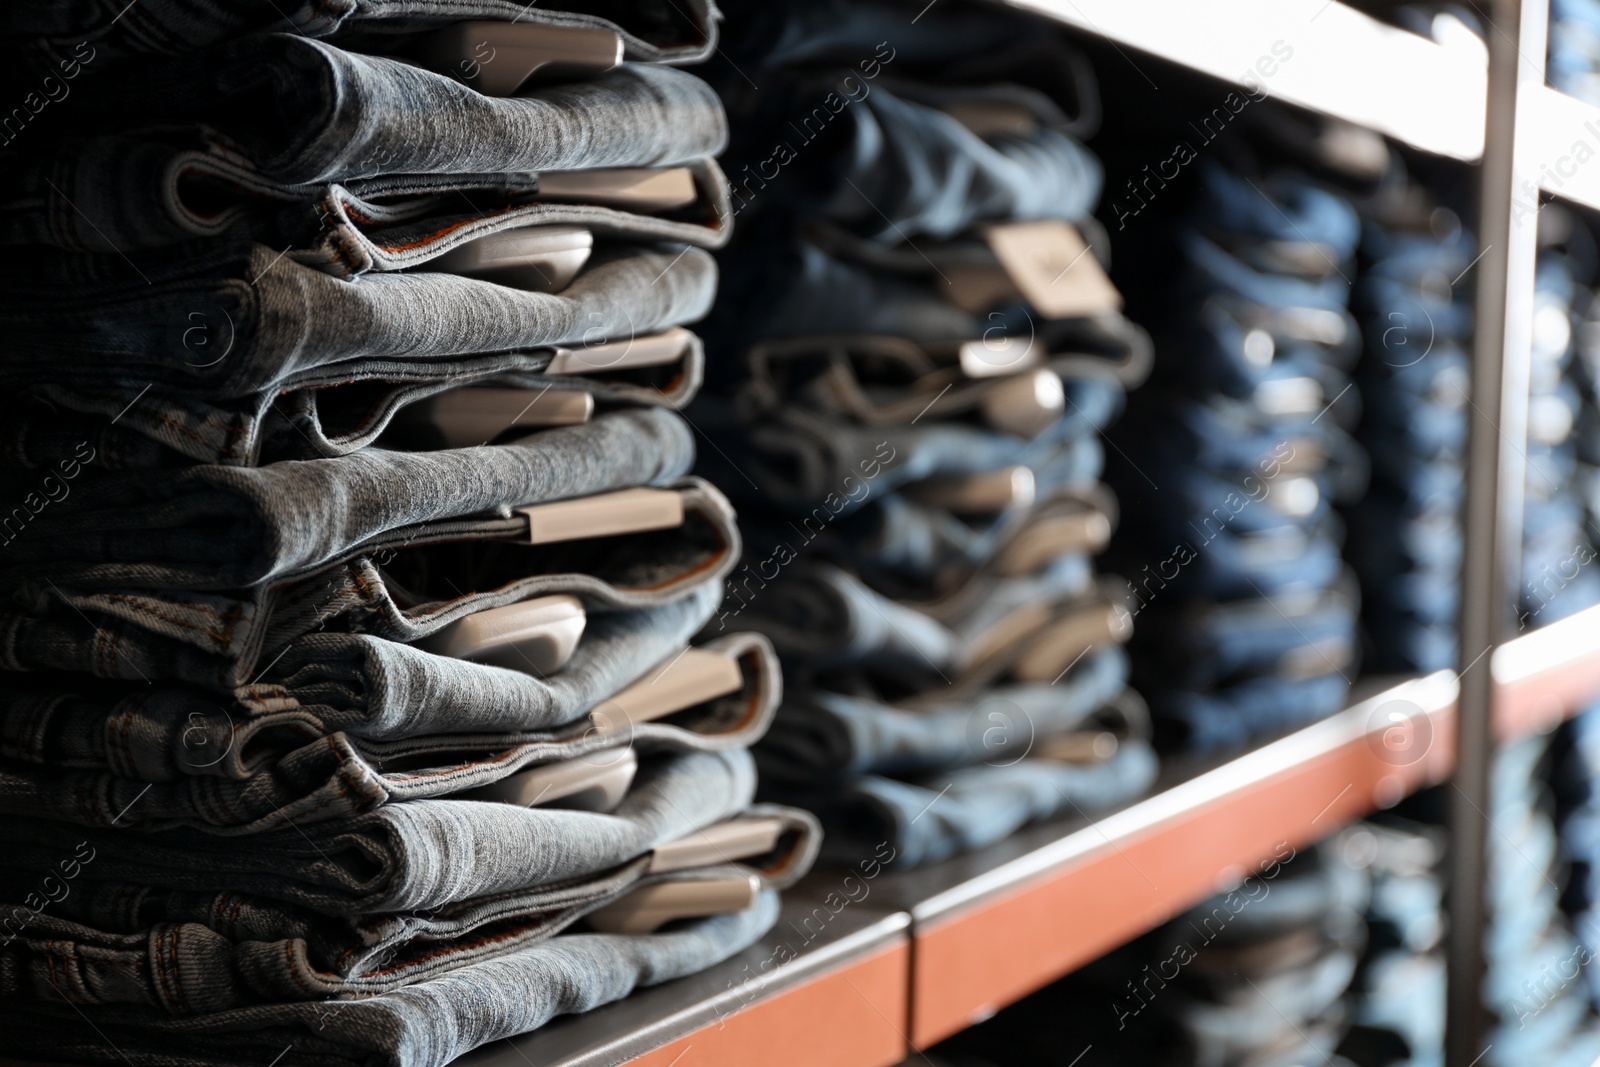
(1053, 268)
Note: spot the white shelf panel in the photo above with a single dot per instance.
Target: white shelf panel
(1563, 149)
(1339, 61)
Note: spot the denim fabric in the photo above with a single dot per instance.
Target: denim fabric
(299, 111)
(900, 165)
(164, 195)
(1543, 1011)
(192, 953)
(675, 33)
(1230, 342)
(807, 463)
(1222, 438)
(819, 735)
(226, 527)
(422, 854)
(391, 701)
(1418, 408)
(269, 324)
(1281, 208)
(1254, 553)
(1234, 471)
(847, 285)
(804, 290)
(423, 1025)
(1411, 313)
(1224, 718)
(887, 381)
(382, 689)
(1262, 1018)
(45, 425)
(201, 782)
(946, 46)
(1210, 644)
(908, 550)
(1576, 755)
(937, 817)
(403, 594)
(1214, 269)
(821, 617)
(822, 621)
(1574, 65)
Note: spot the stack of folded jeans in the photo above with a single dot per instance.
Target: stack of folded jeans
(1405, 534)
(1584, 372)
(1575, 774)
(1556, 547)
(1246, 612)
(912, 442)
(350, 557)
(1255, 977)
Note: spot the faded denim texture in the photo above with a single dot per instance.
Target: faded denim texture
(388, 701)
(299, 111)
(269, 324)
(802, 460)
(932, 817)
(820, 735)
(1405, 537)
(404, 594)
(46, 426)
(417, 855)
(900, 165)
(423, 1025)
(165, 196)
(190, 761)
(226, 950)
(217, 528)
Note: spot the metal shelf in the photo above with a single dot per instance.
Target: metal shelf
(1547, 676)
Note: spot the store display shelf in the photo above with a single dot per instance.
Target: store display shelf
(859, 966)
(1548, 675)
(1319, 54)
(986, 934)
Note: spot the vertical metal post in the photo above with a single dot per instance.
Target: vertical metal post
(1496, 466)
